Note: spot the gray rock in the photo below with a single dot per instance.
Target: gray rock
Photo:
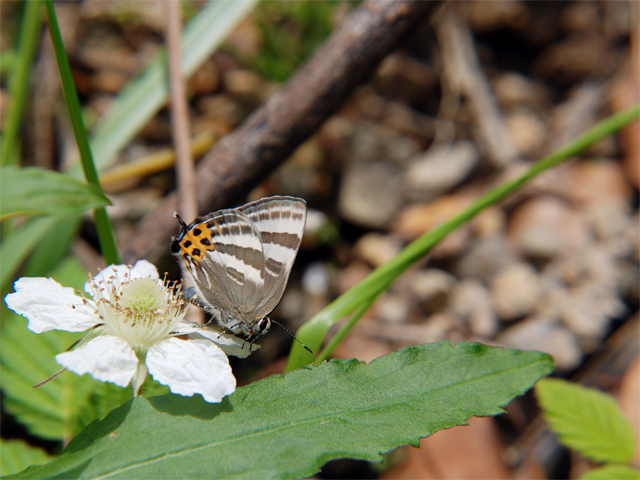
(486, 257)
(439, 169)
(515, 291)
(377, 249)
(392, 308)
(546, 336)
(371, 193)
(430, 287)
(471, 301)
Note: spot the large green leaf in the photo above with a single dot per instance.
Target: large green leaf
(612, 472)
(16, 455)
(587, 420)
(289, 426)
(34, 191)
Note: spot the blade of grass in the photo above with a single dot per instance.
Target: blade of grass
(103, 226)
(19, 83)
(337, 338)
(313, 332)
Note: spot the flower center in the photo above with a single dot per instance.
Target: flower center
(143, 295)
(142, 311)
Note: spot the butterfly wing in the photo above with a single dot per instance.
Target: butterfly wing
(280, 221)
(223, 252)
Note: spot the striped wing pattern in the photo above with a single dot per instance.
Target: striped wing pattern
(240, 259)
(281, 222)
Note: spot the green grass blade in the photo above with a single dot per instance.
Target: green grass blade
(103, 226)
(344, 331)
(313, 332)
(19, 82)
(288, 426)
(143, 98)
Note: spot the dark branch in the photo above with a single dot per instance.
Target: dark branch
(246, 156)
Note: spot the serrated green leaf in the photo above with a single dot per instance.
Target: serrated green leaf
(612, 472)
(16, 455)
(289, 426)
(35, 191)
(586, 420)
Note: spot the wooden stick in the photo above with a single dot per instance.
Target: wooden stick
(242, 159)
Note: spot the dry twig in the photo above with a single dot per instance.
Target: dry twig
(245, 157)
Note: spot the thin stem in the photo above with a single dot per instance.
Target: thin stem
(313, 332)
(103, 226)
(342, 333)
(187, 205)
(19, 83)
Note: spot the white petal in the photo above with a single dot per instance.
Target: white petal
(192, 366)
(228, 343)
(143, 269)
(106, 358)
(50, 306)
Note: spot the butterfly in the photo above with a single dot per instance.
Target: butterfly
(240, 260)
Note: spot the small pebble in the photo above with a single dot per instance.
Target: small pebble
(545, 336)
(543, 227)
(430, 287)
(484, 258)
(515, 291)
(371, 193)
(377, 249)
(439, 169)
(471, 301)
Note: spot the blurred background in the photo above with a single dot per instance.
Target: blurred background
(470, 99)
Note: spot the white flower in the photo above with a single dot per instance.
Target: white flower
(134, 319)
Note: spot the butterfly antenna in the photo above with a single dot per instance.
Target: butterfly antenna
(184, 225)
(294, 337)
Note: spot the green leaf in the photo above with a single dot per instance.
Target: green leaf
(16, 455)
(34, 191)
(612, 472)
(289, 426)
(141, 99)
(19, 243)
(587, 420)
(49, 255)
